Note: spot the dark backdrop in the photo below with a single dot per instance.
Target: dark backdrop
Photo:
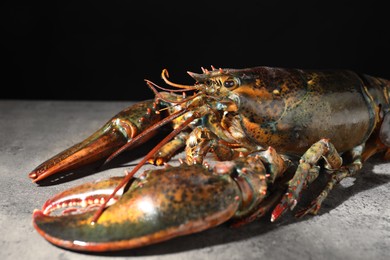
(103, 50)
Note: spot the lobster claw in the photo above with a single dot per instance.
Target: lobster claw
(114, 134)
(159, 205)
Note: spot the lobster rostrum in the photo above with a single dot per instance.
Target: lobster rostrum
(272, 131)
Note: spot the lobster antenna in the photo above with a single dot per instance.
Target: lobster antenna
(128, 177)
(185, 99)
(152, 86)
(165, 75)
(166, 89)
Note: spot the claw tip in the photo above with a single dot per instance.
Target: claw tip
(278, 211)
(37, 213)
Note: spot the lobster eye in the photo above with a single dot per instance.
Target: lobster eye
(230, 83)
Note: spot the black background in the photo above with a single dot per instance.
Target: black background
(103, 50)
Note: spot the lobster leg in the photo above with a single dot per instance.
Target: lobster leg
(306, 172)
(335, 177)
(201, 140)
(169, 149)
(115, 133)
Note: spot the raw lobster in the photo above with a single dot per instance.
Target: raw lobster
(272, 131)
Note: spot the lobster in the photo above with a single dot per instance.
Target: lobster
(271, 132)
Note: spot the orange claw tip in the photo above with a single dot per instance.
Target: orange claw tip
(37, 213)
(32, 175)
(37, 177)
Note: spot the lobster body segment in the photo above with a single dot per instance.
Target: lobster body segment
(292, 109)
(272, 131)
(379, 91)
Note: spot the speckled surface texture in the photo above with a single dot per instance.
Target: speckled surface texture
(354, 222)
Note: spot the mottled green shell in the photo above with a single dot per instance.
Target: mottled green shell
(291, 109)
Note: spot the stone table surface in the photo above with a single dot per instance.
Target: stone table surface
(354, 222)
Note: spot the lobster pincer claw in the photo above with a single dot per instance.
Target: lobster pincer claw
(114, 134)
(160, 205)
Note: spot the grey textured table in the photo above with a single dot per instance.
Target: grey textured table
(354, 222)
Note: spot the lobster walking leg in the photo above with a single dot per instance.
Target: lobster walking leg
(307, 172)
(169, 149)
(335, 177)
(201, 141)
